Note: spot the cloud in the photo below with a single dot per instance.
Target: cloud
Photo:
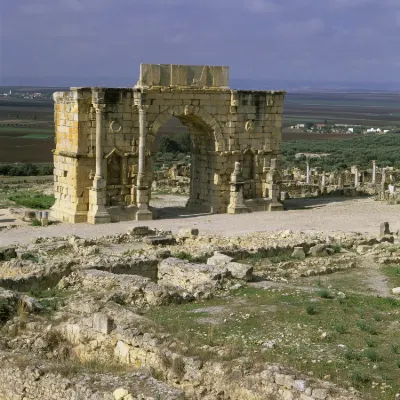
(262, 6)
(353, 3)
(179, 38)
(74, 5)
(291, 32)
(34, 9)
(301, 28)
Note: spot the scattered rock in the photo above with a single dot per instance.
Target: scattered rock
(102, 323)
(120, 393)
(319, 250)
(219, 259)
(188, 233)
(160, 240)
(298, 252)
(362, 249)
(240, 271)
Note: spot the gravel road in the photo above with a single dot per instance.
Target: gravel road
(320, 214)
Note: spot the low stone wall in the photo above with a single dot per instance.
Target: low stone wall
(35, 383)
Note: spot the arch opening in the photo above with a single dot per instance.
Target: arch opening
(183, 163)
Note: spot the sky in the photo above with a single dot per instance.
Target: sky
(319, 40)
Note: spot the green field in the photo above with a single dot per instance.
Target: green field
(344, 153)
(20, 132)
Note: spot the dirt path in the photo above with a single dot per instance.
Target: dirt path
(327, 215)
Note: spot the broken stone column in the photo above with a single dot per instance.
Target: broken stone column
(44, 218)
(97, 195)
(356, 177)
(384, 229)
(323, 183)
(340, 181)
(236, 204)
(308, 173)
(374, 171)
(143, 212)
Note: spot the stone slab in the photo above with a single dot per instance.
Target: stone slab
(183, 75)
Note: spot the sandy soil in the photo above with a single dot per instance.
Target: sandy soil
(324, 214)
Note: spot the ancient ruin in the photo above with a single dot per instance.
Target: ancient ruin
(382, 183)
(104, 137)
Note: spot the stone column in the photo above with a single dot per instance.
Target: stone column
(374, 171)
(308, 173)
(142, 197)
(356, 177)
(236, 203)
(323, 182)
(340, 180)
(383, 176)
(97, 195)
(275, 187)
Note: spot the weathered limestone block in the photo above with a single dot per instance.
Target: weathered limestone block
(219, 259)
(237, 270)
(190, 276)
(319, 250)
(102, 323)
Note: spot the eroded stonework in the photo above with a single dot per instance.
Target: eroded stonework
(104, 136)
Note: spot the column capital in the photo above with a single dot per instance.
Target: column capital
(99, 108)
(142, 109)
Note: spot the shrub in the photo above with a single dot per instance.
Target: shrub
(395, 348)
(370, 342)
(311, 309)
(33, 200)
(183, 255)
(325, 294)
(371, 354)
(25, 169)
(340, 329)
(363, 326)
(352, 355)
(178, 367)
(360, 378)
(5, 312)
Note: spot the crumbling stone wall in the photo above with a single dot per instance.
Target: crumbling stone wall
(104, 139)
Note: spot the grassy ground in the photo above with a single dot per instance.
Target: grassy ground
(35, 200)
(393, 273)
(351, 341)
(27, 198)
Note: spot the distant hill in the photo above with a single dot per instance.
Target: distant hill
(235, 83)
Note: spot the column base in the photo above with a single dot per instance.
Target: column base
(100, 217)
(237, 210)
(144, 215)
(97, 199)
(276, 207)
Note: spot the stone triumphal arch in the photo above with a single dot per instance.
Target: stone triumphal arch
(104, 136)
